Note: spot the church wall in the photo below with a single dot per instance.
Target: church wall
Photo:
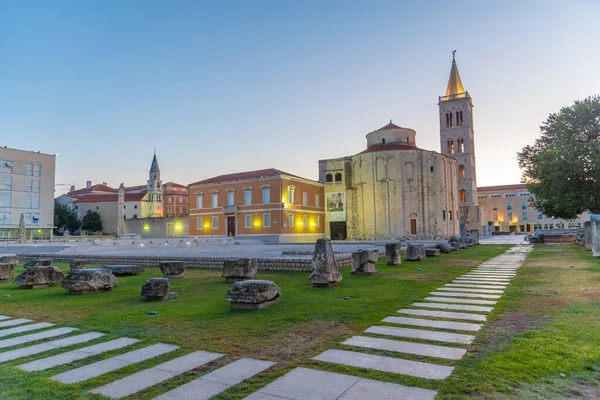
(107, 211)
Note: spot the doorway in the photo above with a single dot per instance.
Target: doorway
(413, 227)
(230, 226)
(337, 230)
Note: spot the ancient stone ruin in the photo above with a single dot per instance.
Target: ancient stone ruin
(325, 270)
(92, 280)
(9, 260)
(77, 264)
(445, 248)
(363, 262)
(157, 289)
(172, 269)
(253, 295)
(415, 252)
(125, 270)
(588, 235)
(595, 220)
(454, 242)
(39, 277)
(38, 262)
(240, 269)
(7, 272)
(393, 253)
(432, 252)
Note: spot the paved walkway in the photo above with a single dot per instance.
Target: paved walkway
(436, 327)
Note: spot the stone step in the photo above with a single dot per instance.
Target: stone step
(3, 317)
(111, 364)
(305, 384)
(467, 278)
(503, 284)
(444, 314)
(429, 350)
(25, 328)
(428, 323)
(475, 286)
(485, 275)
(34, 337)
(47, 346)
(470, 295)
(218, 381)
(386, 364)
(494, 271)
(75, 355)
(421, 334)
(153, 376)
(453, 307)
(14, 322)
(460, 288)
(461, 301)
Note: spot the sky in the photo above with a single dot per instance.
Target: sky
(226, 86)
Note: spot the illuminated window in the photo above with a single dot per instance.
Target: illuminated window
(461, 171)
(248, 220)
(267, 220)
(463, 196)
(200, 223)
(215, 222)
(291, 220)
(305, 220)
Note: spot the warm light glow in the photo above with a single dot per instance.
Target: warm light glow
(39, 231)
(206, 226)
(283, 204)
(178, 227)
(146, 227)
(141, 244)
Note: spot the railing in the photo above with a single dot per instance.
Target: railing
(455, 96)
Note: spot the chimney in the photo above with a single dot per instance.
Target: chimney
(104, 183)
(88, 184)
(72, 188)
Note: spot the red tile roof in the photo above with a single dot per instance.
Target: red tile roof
(518, 186)
(174, 185)
(390, 126)
(106, 198)
(95, 188)
(261, 173)
(389, 146)
(135, 188)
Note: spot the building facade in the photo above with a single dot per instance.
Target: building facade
(26, 187)
(508, 210)
(264, 203)
(175, 200)
(391, 190)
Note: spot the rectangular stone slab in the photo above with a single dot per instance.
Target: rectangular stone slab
(460, 300)
(14, 322)
(458, 326)
(75, 355)
(153, 376)
(471, 290)
(467, 278)
(443, 314)
(503, 284)
(25, 328)
(453, 307)
(215, 382)
(111, 364)
(47, 346)
(468, 295)
(385, 364)
(310, 384)
(429, 350)
(475, 286)
(35, 336)
(489, 275)
(421, 334)
(3, 317)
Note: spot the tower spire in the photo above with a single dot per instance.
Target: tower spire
(455, 85)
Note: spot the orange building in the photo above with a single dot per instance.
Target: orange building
(175, 199)
(266, 203)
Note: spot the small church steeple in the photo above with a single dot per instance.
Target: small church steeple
(154, 190)
(455, 85)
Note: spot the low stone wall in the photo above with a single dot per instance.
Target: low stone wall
(264, 264)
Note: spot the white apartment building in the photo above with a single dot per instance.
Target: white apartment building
(26, 187)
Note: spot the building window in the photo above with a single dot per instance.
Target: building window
(35, 218)
(215, 200)
(291, 220)
(135, 206)
(248, 219)
(198, 201)
(200, 224)
(510, 216)
(509, 205)
(6, 166)
(304, 198)
(291, 190)
(215, 222)
(317, 204)
(168, 210)
(449, 122)
(524, 215)
(29, 186)
(248, 197)
(540, 215)
(37, 170)
(5, 200)
(328, 178)
(460, 145)
(524, 205)
(230, 198)
(305, 221)
(266, 195)
(267, 220)
(32, 201)
(431, 169)
(444, 215)
(29, 169)
(181, 199)
(463, 196)
(169, 199)
(180, 210)
(338, 177)
(461, 172)
(495, 215)
(318, 221)
(450, 146)
(450, 215)
(6, 182)
(5, 218)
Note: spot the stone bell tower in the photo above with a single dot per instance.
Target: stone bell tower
(154, 199)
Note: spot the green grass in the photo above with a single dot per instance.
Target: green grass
(306, 322)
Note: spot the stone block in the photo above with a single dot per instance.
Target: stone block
(172, 269)
(77, 264)
(241, 269)
(363, 262)
(445, 248)
(157, 289)
(325, 269)
(39, 276)
(587, 235)
(253, 294)
(415, 252)
(91, 280)
(38, 262)
(7, 272)
(393, 253)
(125, 270)
(9, 260)
(430, 252)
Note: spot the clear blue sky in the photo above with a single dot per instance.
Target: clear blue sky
(225, 86)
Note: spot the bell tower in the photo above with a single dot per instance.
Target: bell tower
(456, 135)
(155, 205)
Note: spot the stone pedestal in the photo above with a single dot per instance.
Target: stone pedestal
(325, 269)
(595, 222)
(125, 270)
(172, 269)
(7, 272)
(85, 281)
(363, 262)
(157, 289)
(253, 295)
(415, 252)
(39, 277)
(393, 253)
(77, 264)
(430, 252)
(588, 235)
(46, 262)
(241, 269)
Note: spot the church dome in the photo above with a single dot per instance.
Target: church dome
(391, 134)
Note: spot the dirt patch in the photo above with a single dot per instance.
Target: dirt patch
(583, 392)
(514, 322)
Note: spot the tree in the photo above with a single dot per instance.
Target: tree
(562, 167)
(65, 217)
(92, 221)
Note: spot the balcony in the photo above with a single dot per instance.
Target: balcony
(455, 96)
(230, 208)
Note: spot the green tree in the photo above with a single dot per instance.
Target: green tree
(92, 221)
(562, 167)
(65, 217)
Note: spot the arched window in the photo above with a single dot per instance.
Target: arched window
(450, 146)
(444, 215)
(461, 145)
(338, 177)
(461, 171)
(463, 196)
(328, 178)
(450, 215)
(410, 171)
